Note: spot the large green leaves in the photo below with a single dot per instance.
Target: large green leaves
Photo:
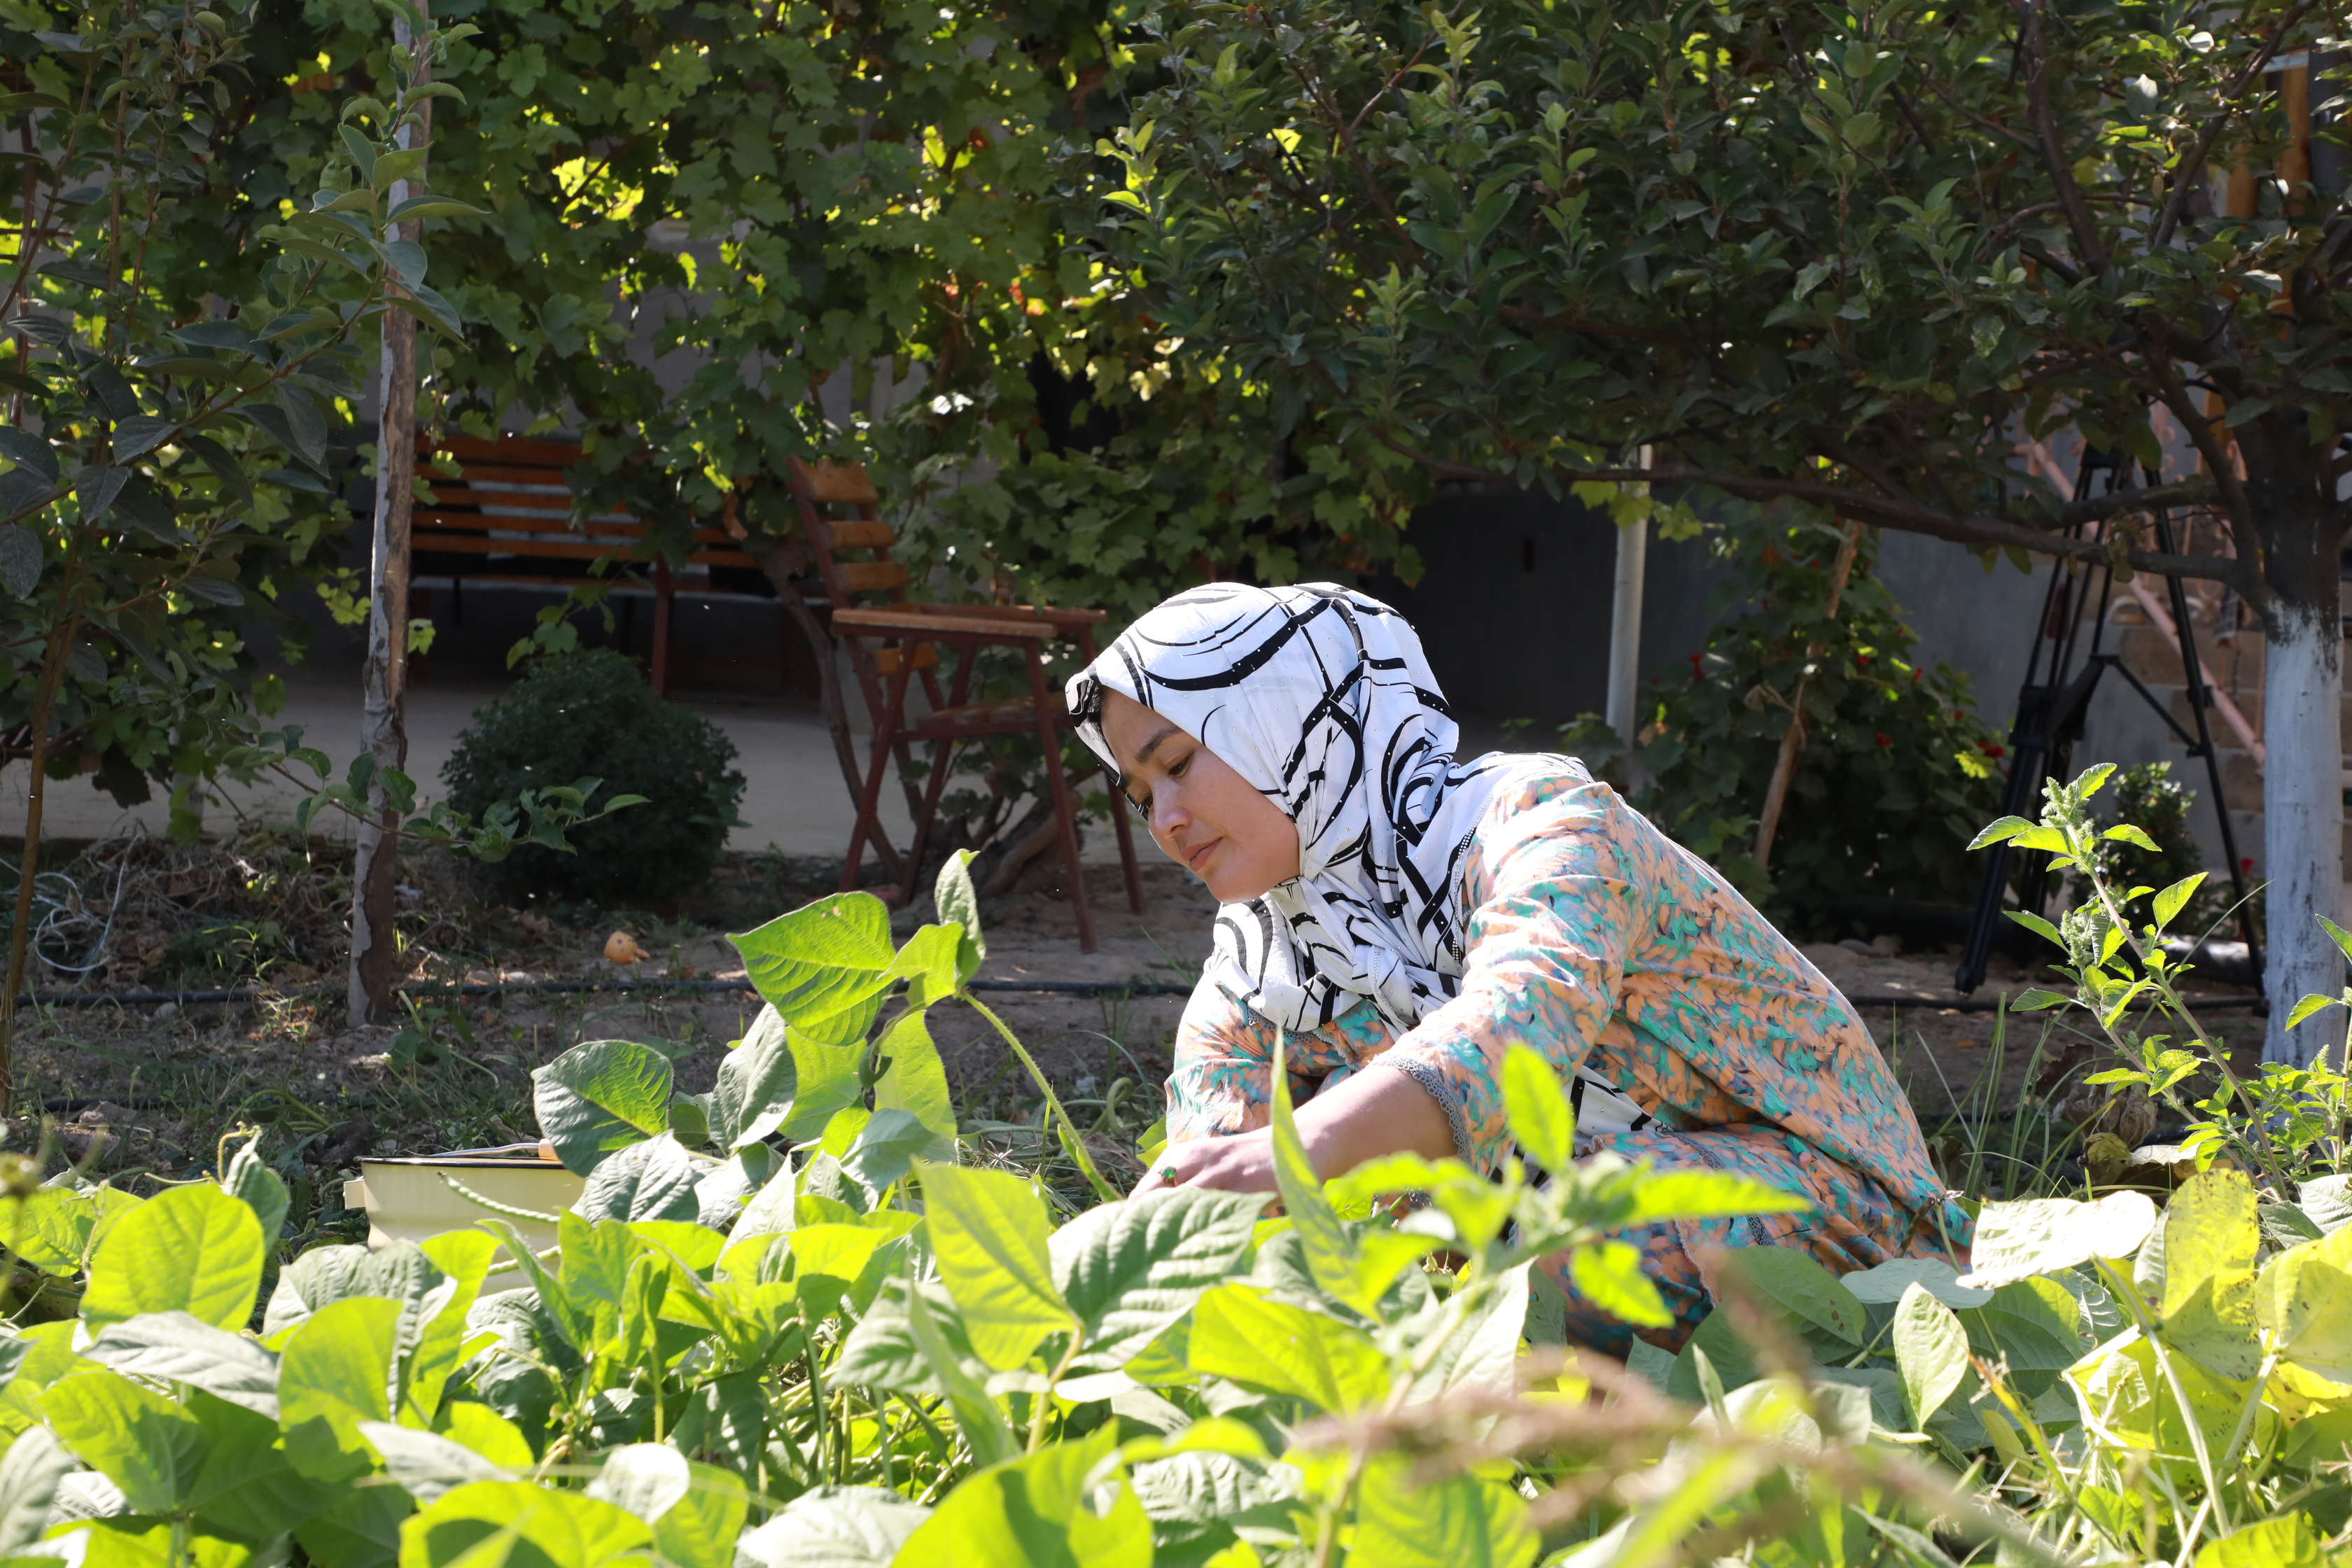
(835, 1527)
(826, 966)
(193, 1250)
(1129, 1269)
(149, 1445)
(336, 1371)
(1035, 1513)
(988, 1235)
(1240, 1333)
(1796, 1283)
(2212, 1234)
(1931, 1351)
(601, 1096)
(486, 1524)
(2305, 1297)
(916, 1081)
(753, 1093)
(175, 1347)
(2037, 1236)
(1465, 1521)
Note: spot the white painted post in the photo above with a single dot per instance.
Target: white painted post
(1625, 631)
(2303, 822)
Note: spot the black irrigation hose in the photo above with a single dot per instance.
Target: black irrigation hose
(495, 988)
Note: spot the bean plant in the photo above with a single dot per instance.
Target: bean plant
(795, 1318)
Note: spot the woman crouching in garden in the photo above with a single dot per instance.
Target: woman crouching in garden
(1404, 915)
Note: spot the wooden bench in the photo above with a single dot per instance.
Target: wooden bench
(507, 517)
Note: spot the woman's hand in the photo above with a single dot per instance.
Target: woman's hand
(1370, 1114)
(1241, 1163)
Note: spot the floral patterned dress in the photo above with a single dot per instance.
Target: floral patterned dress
(1596, 939)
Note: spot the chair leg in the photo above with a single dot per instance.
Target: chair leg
(662, 596)
(942, 757)
(869, 798)
(1066, 820)
(1127, 855)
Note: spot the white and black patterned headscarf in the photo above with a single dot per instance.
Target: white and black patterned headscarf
(1322, 699)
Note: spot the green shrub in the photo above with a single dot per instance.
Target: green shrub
(590, 712)
(1897, 771)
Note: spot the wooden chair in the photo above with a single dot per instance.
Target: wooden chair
(507, 518)
(890, 640)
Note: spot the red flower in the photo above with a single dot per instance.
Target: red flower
(1695, 670)
(1991, 749)
(2246, 866)
(1863, 659)
(1881, 739)
(1915, 674)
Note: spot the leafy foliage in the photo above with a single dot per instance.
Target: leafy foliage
(845, 1351)
(1897, 768)
(592, 713)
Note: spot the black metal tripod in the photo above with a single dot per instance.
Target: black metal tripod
(2050, 717)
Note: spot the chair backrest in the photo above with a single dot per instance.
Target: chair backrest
(838, 543)
(509, 499)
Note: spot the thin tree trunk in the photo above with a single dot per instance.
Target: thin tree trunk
(20, 934)
(1792, 739)
(383, 728)
(2303, 822)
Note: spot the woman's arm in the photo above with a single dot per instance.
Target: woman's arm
(1370, 1114)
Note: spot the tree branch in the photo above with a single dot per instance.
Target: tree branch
(2187, 177)
(2045, 130)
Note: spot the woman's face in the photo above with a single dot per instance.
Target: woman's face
(1202, 815)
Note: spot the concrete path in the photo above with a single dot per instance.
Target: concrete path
(796, 800)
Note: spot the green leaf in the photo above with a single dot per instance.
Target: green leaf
(2211, 1235)
(2338, 935)
(178, 1348)
(1035, 1513)
(29, 1473)
(1322, 1236)
(885, 1149)
(259, 1187)
(985, 1429)
(2273, 1543)
(753, 1093)
(1608, 1274)
(20, 559)
(1931, 1351)
(2315, 1003)
(988, 1236)
(1240, 1333)
(334, 1372)
(192, 1249)
(362, 1531)
(928, 964)
(654, 1179)
(958, 905)
(1464, 1521)
(916, 1081)
(2125, 833)
(826, 1082)
(2304, 1295)
(824, 967)
(2174, 899)
(55, 1230)
(1129, 1269)
(149, 1445)
(2000, 832)
(1541, 1116)
(2040, 1236)
(1887, 1284)
(430, 206)
(835, 1527)
(562, 1529)
(427, 1464)
(701, 1530)
(601, 1096)
(1706, 1194)
(2037, 925)
(1796, 1283)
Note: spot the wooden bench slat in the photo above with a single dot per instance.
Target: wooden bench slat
(895, 623)
(885, 659)
(854, 534)
(510, 448)
(872, 577)
(842, 485)
(549, 480)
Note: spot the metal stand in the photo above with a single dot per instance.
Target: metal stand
(2050, 717)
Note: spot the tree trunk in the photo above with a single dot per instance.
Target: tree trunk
(384, 728)
(2303, 817)
(28, 866)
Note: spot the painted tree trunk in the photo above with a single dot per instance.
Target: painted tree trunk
(2303, 821)
(384, 730)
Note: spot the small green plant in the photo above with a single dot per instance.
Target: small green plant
(590, 711)
(2287, 1124)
